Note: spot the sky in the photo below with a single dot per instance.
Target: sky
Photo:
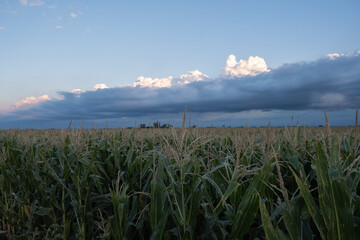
(229, 62)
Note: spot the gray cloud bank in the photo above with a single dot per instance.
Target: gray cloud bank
(331, 84)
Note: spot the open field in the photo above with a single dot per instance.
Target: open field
(221, 183)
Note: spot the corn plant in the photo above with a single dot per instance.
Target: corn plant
(234, 183)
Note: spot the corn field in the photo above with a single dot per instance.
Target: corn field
(218, 183)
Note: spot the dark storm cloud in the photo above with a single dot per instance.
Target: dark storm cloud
(331, 84)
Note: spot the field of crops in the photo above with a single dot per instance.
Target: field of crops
(221, 183)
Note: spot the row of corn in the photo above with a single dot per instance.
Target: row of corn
(238, 183)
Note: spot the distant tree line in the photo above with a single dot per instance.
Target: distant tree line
(156, 125)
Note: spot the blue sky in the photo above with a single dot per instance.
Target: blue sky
(49, 48)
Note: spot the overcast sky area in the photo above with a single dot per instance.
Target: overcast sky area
(229, 62)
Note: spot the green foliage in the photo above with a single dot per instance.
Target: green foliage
(180, 184)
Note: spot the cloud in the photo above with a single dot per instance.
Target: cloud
(251, 67)
(332, 84)
(99, 86)
(23, 2)
(77, 91)
(1, 28)
(191, 76)
(73, 15)
(36, 3)
(251, 114)
(153, 82)
(334, 55)
(329, 100)
(31, 101)
(59, 27)
(31, 3)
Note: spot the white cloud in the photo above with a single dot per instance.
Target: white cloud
(167, 82)
(1, 28)
(153, 82)
(100, 86)
(53, 6)
(31, 3)
(23, 2)
(36, 3)
(59, 18)
(192, 76)
(77, 91)
(59, 27)
(73, 15)
(251, 67)
(31, 101)
(332, 56)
